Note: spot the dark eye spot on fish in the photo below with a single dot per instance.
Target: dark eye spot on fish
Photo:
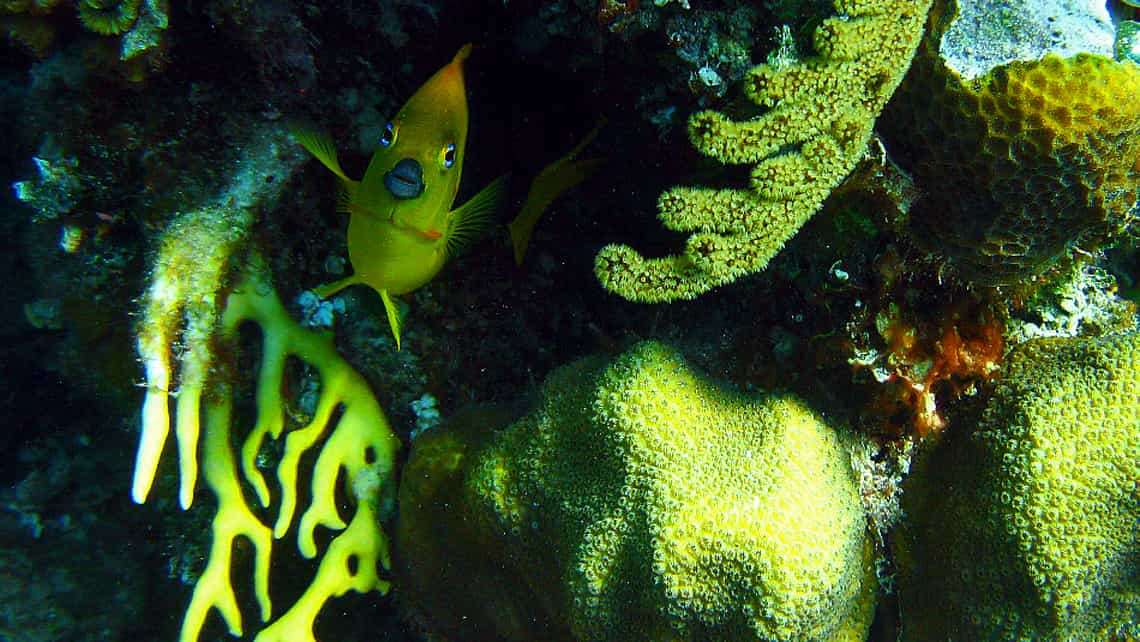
(405, 180)
(389, 135)
(449, 156)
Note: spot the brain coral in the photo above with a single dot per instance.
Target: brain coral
(1020, 166)
(1029, 527)
(639, 501)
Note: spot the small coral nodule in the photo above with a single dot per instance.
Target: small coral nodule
(639, 501)
(108, 17)
(821, 112)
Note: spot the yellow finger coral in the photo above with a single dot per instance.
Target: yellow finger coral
(817, 128)
(639, 501)
(1032, 163)
(1027, 528)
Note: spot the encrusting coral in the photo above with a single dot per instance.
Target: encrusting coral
(638, 501)
(205, 284)
(1032, 163)
(817, 128)
(1026, 528)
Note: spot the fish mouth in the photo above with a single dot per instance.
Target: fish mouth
(405, 180)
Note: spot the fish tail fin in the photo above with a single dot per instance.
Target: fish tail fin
(320, 145)
(395, 319)
(473, 217)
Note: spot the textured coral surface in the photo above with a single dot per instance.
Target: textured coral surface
(1020, 166)
(639, 501)
(816, 130)
(1028, 525)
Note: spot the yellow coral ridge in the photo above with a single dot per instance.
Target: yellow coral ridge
(639, 501)
(819, 122)
(1027, 528)
(1023, 166)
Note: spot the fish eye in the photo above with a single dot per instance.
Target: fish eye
(447, 158)
(389, 135)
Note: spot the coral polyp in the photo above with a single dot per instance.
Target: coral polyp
(108, 17)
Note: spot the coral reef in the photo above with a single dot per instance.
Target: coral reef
(985, 34)
(63, 530)
(638, 501)
(923, 344)
(1025, 528)
(134, 29)
(817, 128)
(1034, 164)
(1085, 302)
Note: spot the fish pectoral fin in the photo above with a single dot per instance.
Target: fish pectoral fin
(345, 198)
(329, 289)
(320, 145)
(548, 185)
(395, 319)
(473, 217)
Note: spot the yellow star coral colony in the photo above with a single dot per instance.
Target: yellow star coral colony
(817, 128)
(1026, 528)
(1030, 164)
(639, 500)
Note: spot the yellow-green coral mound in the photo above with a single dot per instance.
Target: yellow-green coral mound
(1029, 527)
(1021, 166)
(639, 501)
(816, 130)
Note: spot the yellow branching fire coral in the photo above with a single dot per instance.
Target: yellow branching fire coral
(817, 128)
(204, 286)
(358, 444)
(639, 501)
(1027, 527)
(1032, 163)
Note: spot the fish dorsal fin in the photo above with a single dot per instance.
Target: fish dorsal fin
(547, 185)
(473, 217)
(395, 319)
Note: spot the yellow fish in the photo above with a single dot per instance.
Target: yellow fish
(401, 228)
